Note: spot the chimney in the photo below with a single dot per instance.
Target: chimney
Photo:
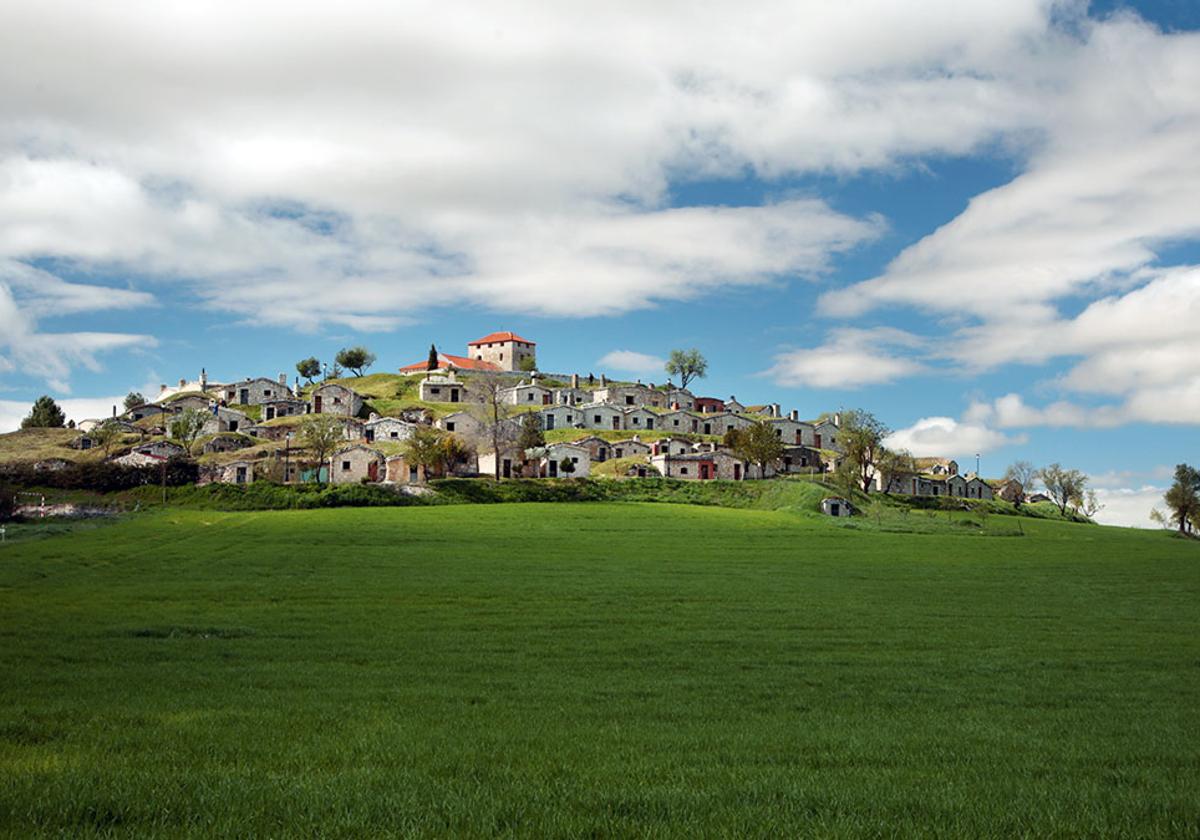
(603, 381)
(182, 383)
(162, 387)
(675, 406)
(283, 379)
(115, 408)
(837, 419)
(574, 380)
(203, 379)
(795, 415)
(776, 411)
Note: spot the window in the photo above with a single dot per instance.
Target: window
(266, 393)
(345, 466)
(530, 396)
(435, 390)
(395, 435)
(450, 426)
(683, 471)
(596, 419)
(628, 400)
(337, 400)
(574, 460)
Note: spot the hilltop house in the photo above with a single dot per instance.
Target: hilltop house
(548, 460)
(632, 448)
(460, 423)
(638, 419)
(283, 407)
(601, 416)
(561, 417)
(504, 350)
(527, 393)
(332, 398)
(386, 428)
(256, 391)
(683, 422)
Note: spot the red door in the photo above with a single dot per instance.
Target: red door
(373, 471)
(317, 404)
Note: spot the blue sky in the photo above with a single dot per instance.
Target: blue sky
(976, 220)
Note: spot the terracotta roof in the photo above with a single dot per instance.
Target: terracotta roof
(500, 336)
(445, 360)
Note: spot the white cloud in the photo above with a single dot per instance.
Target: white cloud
(850, 358)
(272, 155)
(12, 412)
(632, 362)
(945, 436)
(1129, 506)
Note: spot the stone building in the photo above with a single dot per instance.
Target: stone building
(719, 424)
(225, 442)
(332, 398)
(699, 466)
(640, 419)
(386, 428)
(547, 460)
(527, 393)
(222, 419)
(630, 396)
(285, 407)
(256, 391)
(632, 448)
(561, 417)
(682, 422)
(460, 423)
(442, 389)
(506, 350)
(602, 416)
(356, 464)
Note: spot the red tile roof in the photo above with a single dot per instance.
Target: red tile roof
(500, 336)
(445, 360)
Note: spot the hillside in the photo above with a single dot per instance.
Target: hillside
(595, 670)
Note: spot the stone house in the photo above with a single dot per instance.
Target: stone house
(506, 350)
(630, 396)
(570, 396)
(356, 464)
(956, 485)
(561, 417)
(834, 506)
(460, 423)
(632, 448)
(602, 416)
(400, 471)
(1010, 490)
(225, 442)
(256, 391)
(733, 406)
(719, 424)
(161, 449)
(511, 462)
(672, 446)
(332, 398)
(640, 419)
(198, 402)
(547, 460)
(386, 428)
(682, 422)
(222, 419)
(791, 431)
(699, 466)
(599, 449)
(680, 398)
(800, 459)
(825, 435)
(527, 393)
(151, 410)
(937, 466)
(238, 472)
(977, 488)
(441, 389)
(286, 407)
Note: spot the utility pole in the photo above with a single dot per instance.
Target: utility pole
(976, 463)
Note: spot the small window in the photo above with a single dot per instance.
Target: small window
(266, 393)
(337, 400)
(345, 466)
(683, 471)
(628, 400)
(450, 426)
(596, 419)
(435, 390)
(395, 434)
(574, 460)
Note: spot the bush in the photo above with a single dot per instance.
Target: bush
(102, 477)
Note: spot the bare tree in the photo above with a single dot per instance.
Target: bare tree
(494, 414)
(105, 435)
(893, 466)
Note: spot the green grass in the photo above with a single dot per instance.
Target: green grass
(595, 670)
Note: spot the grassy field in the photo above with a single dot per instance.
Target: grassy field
(595, 670)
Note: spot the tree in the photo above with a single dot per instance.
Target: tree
(757, 444)
(1183, 497)
(861, 438)
(425, 448)
(566, 466)
(105, 435)
(1090, 504)
(45, 414)
(453, 451)
(432, 364)
(687, 365)
(355, 359)
(309, 368)
(528, 364)
(133, 399)
(531, 436)
(493, 413)
(1022, 472)
(186, 426)
(1063, 486)
(321, 434)
(893, 466)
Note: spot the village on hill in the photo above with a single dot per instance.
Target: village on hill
(491, 412)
